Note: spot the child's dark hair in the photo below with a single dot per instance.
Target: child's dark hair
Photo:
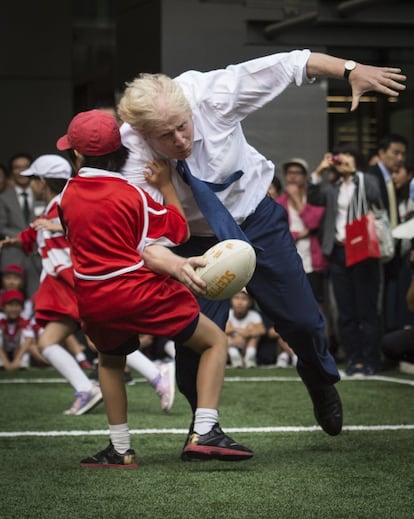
(111, 162)
(56, 184)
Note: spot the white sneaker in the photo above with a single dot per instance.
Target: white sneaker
(406, 367)
(236, 363)
(250, 363)
(84, 401)
(282, 360)
(236, 360)
(25, 363)
(165, 387)
(294, 361)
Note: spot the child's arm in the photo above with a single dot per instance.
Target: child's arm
(5, 360)
(10, 242)
(255, 329)
(163, 261)
(21, 350)
(44, 224)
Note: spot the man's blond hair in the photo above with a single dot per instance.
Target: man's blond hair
(149, 100)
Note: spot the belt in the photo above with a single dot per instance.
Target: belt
(339, 243)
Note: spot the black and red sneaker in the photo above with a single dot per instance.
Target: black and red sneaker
(111, 459)
(214, 445)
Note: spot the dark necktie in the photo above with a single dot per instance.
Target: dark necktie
(26, 208)
(217, 216)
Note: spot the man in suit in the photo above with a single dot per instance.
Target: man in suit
(17, 210)
(392, 151)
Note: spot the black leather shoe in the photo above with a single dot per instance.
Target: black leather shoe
(327, 408)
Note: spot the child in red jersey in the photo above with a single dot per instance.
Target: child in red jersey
(16, 333)
(56, 308)
(116, 232)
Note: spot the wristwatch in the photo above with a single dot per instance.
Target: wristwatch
(349, 67)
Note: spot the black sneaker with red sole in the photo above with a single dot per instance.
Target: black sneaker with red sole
(109, 458)
(214, 445)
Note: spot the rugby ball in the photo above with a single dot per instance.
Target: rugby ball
(230, 266)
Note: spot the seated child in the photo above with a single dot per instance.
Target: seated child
(16, 333)
(13, 279)
(243, 329)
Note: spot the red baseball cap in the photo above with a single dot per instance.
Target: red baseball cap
(14, 269)
(92, 133)
(12, 295)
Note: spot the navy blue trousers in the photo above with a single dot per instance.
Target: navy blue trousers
(282, 291)
(356, 291)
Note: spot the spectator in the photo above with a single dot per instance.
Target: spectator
(4, 178)
(357, 287)
(56, 304)
(392, 151)
(16, 334)
(243, 329)
(395, 305)
(304, 223)
(398, 346)
(17, 210)
(13, 278)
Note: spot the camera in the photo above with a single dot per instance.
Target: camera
(336, 161)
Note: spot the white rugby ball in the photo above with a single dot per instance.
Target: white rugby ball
(230, 266)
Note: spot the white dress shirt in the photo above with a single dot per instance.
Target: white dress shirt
(220, 100)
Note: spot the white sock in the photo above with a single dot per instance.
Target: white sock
(205, 420)
(250, 353)
(80, 356)
(67, 366)
(169, 349)
(120, 437)
(138, 361)
(234, 355)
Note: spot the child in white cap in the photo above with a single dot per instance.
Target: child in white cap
(56, 308)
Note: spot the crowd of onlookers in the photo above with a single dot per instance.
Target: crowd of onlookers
(368, 307)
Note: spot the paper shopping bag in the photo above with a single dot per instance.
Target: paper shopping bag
(361, 241)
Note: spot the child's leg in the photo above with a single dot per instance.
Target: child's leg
(111, 369)
(55, 332)
(162, 378)
(118, 454)
(250, 353)
(210, 341)
(77, 349)
(87, 395)
(206, 440)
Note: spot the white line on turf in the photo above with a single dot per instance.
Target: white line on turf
(281, 429)
(344, 378)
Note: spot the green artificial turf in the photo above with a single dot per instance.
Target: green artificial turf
(303, 474)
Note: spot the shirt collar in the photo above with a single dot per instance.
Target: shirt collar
(384, 171)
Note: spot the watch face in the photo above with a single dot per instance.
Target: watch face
(349, 67)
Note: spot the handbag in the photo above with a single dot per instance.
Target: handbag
(361, 239)
(384, 234)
